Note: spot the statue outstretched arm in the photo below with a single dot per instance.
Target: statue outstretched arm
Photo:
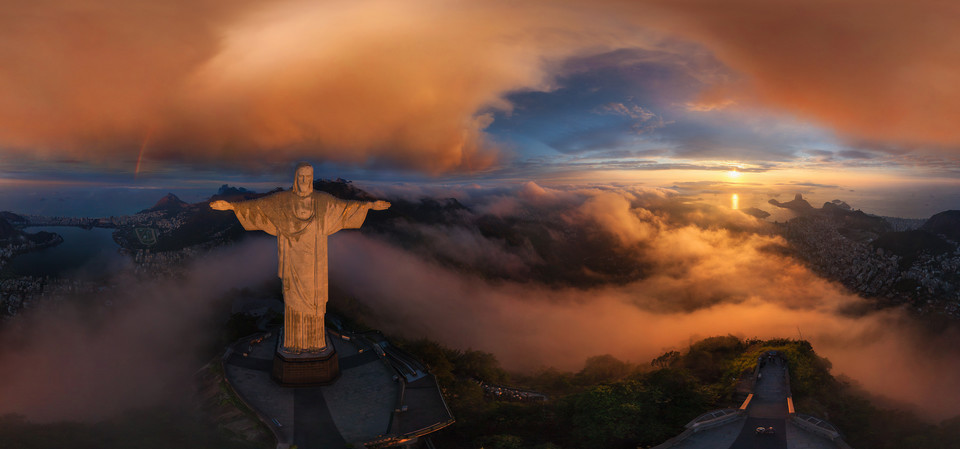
(221, 205)
(255, 214)
(348, 214)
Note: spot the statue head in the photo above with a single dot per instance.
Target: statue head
(303, 179)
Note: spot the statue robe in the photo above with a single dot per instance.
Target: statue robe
(302, 229)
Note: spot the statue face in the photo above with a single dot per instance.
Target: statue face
(303, 182)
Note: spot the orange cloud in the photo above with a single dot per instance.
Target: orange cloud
(879, 70)
(414, 84)
(372, 82)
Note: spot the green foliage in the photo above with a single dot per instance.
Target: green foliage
(479, 365)
(447, 364)
(666, 359)
(610, 403)
(546, 446)
(439, 359)
(809, 373)
(604, 368)
(550, 381)
(608, 416)
(503, 442)
(615, 404)
(627, 413)
(709, 359)
(679, 396)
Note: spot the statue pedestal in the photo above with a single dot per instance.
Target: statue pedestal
(305, 369)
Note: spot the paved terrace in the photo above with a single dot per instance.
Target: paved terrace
(376, 400)
(767, 406)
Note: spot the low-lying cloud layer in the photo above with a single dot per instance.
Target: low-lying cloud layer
(90, 362)
(698, 279)
(417, 84)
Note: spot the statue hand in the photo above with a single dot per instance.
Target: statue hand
(221, 205)
(380, 205)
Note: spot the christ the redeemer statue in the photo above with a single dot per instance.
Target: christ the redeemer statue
(302, 219)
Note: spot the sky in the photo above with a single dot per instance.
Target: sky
(850, 95)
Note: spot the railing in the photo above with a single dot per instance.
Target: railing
(816, 425)
(713, 419)
(746, 403)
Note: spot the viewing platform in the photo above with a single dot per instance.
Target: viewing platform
(383, 397)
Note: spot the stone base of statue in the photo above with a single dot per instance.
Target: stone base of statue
(305, 369)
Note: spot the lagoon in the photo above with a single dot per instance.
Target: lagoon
(83, 253)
